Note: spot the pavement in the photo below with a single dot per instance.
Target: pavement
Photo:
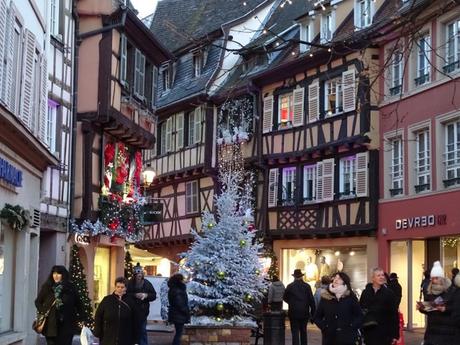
(160, 334)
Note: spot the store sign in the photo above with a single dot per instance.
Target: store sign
(10, 174)
(421, 222)
(82, 239)
(153, 213)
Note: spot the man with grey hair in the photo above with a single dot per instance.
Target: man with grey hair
(381, 324)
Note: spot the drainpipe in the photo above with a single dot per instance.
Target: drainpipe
(121, 24)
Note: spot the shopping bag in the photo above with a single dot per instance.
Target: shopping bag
(86, 336)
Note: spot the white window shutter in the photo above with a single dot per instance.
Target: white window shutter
(328, 179)
(362, 173)
(298, 100)
(179, 131)
(267, 121)
(272, 187)
(349, 93)
(3, 21)
(319, 181)
(137, 64)
(169, 135)
(8, 92)
(313, 102)
(198, 122)
(154, 85)
(27, 89)
(123, 58)
(142, 75)
(43, 99)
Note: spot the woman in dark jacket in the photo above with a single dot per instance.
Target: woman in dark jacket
(338, 315)
(179, 312)
(116, 318)
(59, 296)
(440, 326)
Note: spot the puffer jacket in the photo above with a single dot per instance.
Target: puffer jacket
(440, 327)
(276, 292)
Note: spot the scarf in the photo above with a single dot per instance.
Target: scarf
(338, 290)
(57, 289)
(437, 289)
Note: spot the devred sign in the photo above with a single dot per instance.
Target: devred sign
(421, 221)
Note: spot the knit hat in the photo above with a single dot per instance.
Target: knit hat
(437, 270)
(138, 269)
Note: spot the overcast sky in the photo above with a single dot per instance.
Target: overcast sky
(145, 7)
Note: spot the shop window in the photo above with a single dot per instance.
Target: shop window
(423, 60)
(7, 248)
(396, 167)
(348, 177)
(422, 161)
(333, 102)
(396, 73)
(102, 282)
(288, 186)
(450, 253)
(452, 46)
(191, 197)
(452, 154)
(309, 183)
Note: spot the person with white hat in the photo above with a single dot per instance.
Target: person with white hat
(440, 329)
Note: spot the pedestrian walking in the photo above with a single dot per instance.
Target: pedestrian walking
(381, 322)
(179, 312)
(424, 284)
(142, 292)
(339, 315)
(324, 283)
(302, 307)
(59, 296)
(275, 294)
(116, 319)
(394, 286)
(440, 327)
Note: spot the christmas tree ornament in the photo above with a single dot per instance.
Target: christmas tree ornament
(251, 227)
(218, 319)
(257, 271)
(210, 225)
(220, 307)
(242, 243)
(248, 297)
(221, 275)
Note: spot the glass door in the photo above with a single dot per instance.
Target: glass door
(418, 264)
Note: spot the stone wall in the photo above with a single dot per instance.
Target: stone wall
(208, 335)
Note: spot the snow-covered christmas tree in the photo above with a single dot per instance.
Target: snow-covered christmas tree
(223, 261)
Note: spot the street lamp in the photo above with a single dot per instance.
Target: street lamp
(148, 175)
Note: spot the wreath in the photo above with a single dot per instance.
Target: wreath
(16, 216)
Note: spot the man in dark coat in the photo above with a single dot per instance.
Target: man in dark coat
(381, 324)
(394, 286)
(178, 312)
(456, 306)
(142, 291)
(301, 303)
(116, 319)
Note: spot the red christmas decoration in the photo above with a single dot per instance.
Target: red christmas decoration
(109, 153)
(114, 224)
(251, 227)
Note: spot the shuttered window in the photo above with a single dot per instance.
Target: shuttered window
(362, 174)
(285, 111)
(309, 183)
(289, 186)
(313, 102)
(333, 96)
(298, 96)
(163, 138)
(28, 78)
(179, 131)
(43, 88)
(169, 142)
(347, 177)
(3, 35)
(328, 179)
(191, 197)
(267, 122)
(194, 126)
(319, 181)
(139, 73)
(272, 187)
(123, 58)
(349, 90)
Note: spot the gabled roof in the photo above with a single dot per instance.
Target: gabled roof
(178, 23)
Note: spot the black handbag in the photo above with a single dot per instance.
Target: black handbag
(40, 321)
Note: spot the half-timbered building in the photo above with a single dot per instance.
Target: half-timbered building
(184, 158)
(118, 58)
(318, 139)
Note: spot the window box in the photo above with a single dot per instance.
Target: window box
(451, 67)
(451, 182)
(395, 90)
(422, 79)
(396, 191)
(422, 187)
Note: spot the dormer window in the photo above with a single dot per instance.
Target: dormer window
(197, 64)
(306, 35)
(327, 26)
(364, 11)
(166, 76)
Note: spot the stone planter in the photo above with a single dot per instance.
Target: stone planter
(216, 335)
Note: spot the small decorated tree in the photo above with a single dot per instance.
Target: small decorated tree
(128, 265)
(78, 277)
(223, 261)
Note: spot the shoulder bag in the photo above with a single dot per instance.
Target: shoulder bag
(40, 321)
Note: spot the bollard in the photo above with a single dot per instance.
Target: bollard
(274, 327)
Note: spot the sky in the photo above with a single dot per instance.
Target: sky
(145, 7)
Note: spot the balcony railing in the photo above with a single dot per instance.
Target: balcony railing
(422, 187)
(451, 182)
(395, 191)
(395, 90)
(422, 79)
(451, 67)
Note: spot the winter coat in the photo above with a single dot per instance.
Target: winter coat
(381, 319)
(394, 286)
(456, 306)
(299, 297)
(440, 327)
(62, 321)
(178, 311)
(117, 322)
(144, 304)
(276, 292)
(339, 320)
(317, 295)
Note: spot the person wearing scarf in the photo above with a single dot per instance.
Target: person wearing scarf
(338, 315)
(440, 327)
(59, 295)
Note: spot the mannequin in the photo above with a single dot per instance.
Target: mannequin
(324, 269)
(311, 272)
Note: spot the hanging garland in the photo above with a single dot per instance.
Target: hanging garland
(16, 216)
(450, 242)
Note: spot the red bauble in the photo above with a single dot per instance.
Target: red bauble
(109, 153)
(251, 227)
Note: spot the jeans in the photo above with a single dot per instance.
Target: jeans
(179, 330)
(143, 339)
(299, 331)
